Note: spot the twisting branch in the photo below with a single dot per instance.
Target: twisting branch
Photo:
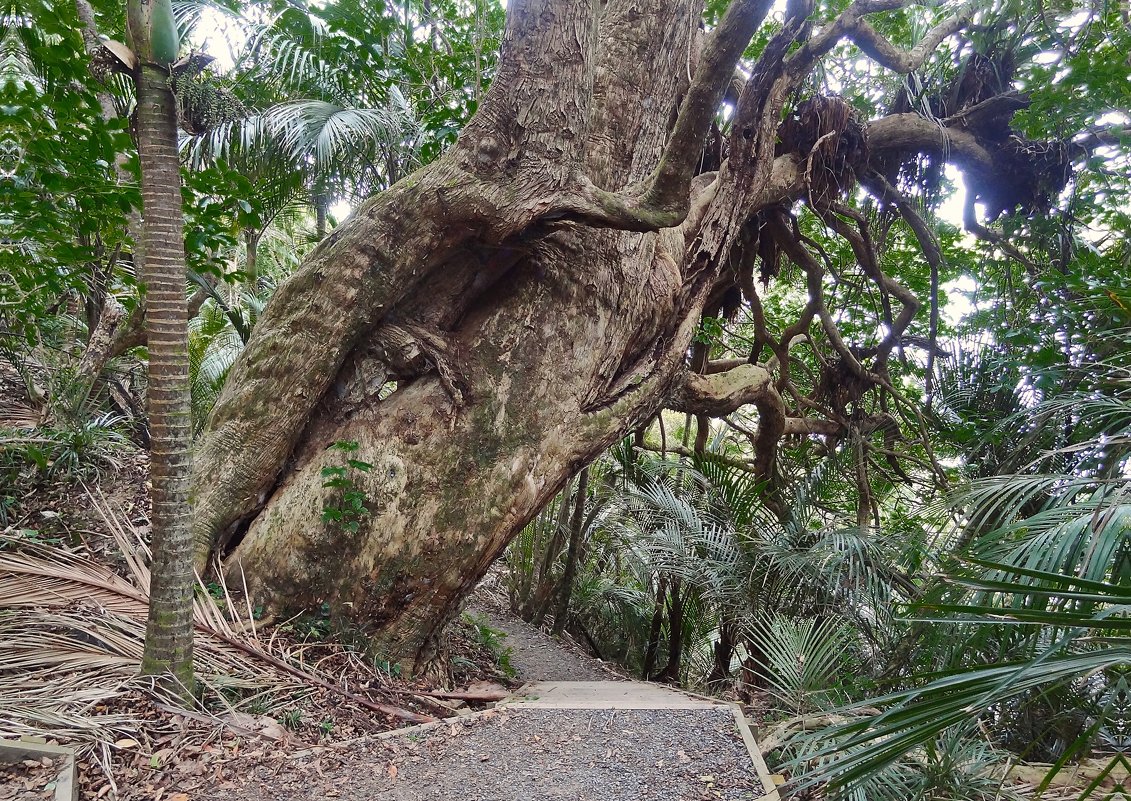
(932, 252)
(851, 23)
(971, 224)
(879, 49)
(812, 268)
(722, 393)
(860, 242)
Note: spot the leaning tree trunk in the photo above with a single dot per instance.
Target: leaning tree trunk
(533, 294)
(168, 639)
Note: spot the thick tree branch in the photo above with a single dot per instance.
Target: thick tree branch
(879, 49)
(751, 176)
(519, 126)
(1113, 136)
(672, 178)
(663, 202)
(721, 393)
(913, 133)
(851, 23)
(723, 365)
(688, 453)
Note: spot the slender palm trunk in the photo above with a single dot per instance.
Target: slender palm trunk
(653, 645)
(675, 632)
(168, 640)
(577, 528)
(251, 267)
(544, 588)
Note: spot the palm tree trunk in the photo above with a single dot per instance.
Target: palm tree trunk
(675, 633)
(251, 267)
(654, 630)
(544, 589)
(168, 639)
(723, 653)
(577, 528)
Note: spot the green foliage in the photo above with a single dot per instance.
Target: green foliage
(1033, 608)
(804, 661)
(492, 639)
(387, 667)
(292, 719)
(71, 452)
(311, 626)
(62, 209)
(346, 505)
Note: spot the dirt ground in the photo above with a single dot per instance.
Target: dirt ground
(519, 755)
(536, 656)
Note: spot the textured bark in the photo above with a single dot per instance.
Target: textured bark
(535, 326)
(533, 293)
(168, 640)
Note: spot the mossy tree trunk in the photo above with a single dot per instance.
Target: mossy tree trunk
(533, 294)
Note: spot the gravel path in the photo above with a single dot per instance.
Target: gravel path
(536, 656)
(523, 755)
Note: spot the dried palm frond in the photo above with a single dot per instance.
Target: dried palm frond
(72, 635)
(18, 416)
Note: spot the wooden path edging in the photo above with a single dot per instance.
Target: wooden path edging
(66, 787)
(760, 766)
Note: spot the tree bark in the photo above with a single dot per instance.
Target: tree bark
(168, 640)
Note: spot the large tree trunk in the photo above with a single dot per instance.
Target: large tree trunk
(550, 338)
(533, 293)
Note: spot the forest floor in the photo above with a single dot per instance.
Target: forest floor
(584, 739)
(640, 742)
(571, 730)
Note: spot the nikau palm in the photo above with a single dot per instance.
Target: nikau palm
(168, 640)
(1036, 609)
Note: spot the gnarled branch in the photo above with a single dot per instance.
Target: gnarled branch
(879, 49)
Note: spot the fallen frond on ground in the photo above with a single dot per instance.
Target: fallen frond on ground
(71, 640)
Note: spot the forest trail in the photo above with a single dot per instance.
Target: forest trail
(535, 655)
(571, 732)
